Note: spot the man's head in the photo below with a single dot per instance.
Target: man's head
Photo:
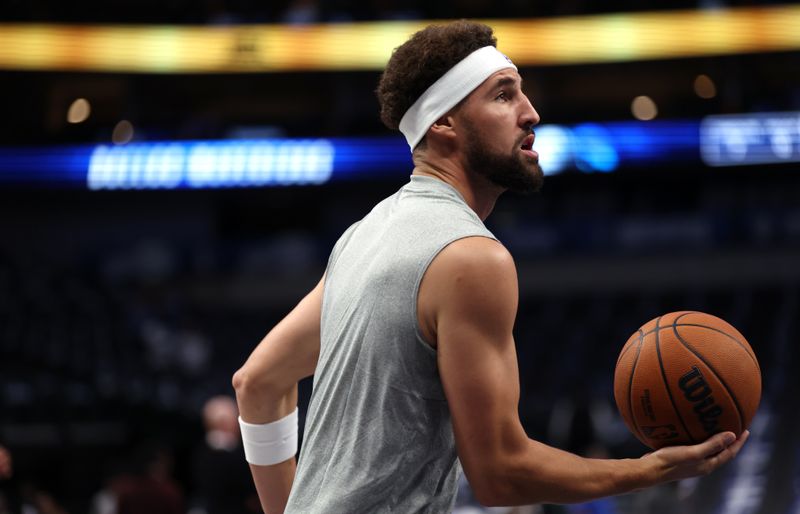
(221, 413)
(453, 76)
(221, 418)
(424, 59)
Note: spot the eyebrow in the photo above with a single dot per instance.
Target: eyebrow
(507, 81)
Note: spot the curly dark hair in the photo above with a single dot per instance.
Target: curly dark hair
(422, 60)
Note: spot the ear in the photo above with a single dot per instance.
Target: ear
(443, 127)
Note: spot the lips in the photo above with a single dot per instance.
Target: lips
(527, 143)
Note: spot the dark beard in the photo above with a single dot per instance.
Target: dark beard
(513, 172)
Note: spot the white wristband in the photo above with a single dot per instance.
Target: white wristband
(270, 443)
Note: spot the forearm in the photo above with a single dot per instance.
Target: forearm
(260, 402)
(273, 485)
(266, 392)
(543, 474)
(263, 405)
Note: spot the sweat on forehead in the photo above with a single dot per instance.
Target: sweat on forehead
(450, 89)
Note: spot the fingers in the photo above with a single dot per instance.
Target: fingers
(736, 446)
(727, 454)
(679, 462)
(714, 444)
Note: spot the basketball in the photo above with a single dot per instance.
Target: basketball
(685, 376)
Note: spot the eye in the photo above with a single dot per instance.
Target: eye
(502, 96)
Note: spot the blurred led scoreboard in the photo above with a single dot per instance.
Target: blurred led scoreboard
(742, 139)
(730, 140)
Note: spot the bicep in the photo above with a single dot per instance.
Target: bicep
(481, 384)
(475, 311)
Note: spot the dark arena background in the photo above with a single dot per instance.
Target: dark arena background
(174, 174)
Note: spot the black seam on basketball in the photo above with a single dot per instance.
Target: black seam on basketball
(630, 388)
(679, 316)
(628, 347)
(749, 352)
(740, 343)
(746, 350)
(666, 384)
(716, 375)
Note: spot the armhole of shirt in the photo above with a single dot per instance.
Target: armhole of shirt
(418, 282)
(337, 248)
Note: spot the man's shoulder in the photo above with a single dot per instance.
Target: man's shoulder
(478, 251)
(475, 258)
(473, 281)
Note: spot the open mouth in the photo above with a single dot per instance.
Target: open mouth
(527, 147)
(527, 143)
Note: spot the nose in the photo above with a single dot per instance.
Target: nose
(528, 117)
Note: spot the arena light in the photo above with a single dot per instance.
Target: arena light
(554, 144)
(367, 46)
(593, 148)
(747, 139)
(79, 111)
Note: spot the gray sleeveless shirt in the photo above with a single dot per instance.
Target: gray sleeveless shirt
(378, 436)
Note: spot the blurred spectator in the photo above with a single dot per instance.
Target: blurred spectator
(37, 501)
(143, 486)
(7, 497)
(6, 466)
(222, 480)
(23, 496)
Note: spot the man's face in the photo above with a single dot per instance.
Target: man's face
(496, 120)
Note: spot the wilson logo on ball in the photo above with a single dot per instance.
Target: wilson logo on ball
(696, 390)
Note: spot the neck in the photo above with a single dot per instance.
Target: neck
(478, 192)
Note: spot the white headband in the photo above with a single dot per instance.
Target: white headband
(451, 88)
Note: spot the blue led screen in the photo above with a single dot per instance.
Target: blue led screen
(587, 148)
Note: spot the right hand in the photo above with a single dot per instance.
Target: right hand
(679, 462)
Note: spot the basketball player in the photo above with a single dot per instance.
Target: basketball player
(409, 332)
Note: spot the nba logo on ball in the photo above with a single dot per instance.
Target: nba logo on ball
(660, 432)
(685, 376)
